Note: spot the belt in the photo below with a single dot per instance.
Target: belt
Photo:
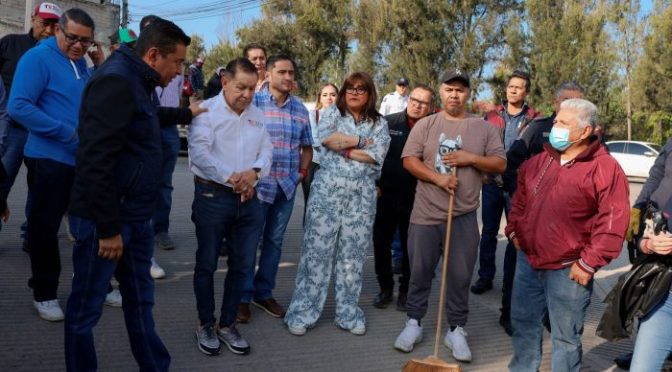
(213, 184)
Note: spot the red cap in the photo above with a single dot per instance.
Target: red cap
(48, 11)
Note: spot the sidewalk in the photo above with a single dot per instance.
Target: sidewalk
(31, 344)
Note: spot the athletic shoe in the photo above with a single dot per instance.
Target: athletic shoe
(456, 340)
(156, 271)
(297, 330)
(49, 310)
(233, 340)
(113, 298)
(207, 340)
(411, 335)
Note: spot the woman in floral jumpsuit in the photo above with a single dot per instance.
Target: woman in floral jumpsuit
(341, 209)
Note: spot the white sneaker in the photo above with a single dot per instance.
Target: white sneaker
(113, 298)
(49, 310)
(297, 330)
(359, 330)
(156, 271)
(457, 342)
(411, 335)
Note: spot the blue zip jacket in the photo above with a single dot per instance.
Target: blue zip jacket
(45, 98)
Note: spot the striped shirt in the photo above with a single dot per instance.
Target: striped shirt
(289, 127)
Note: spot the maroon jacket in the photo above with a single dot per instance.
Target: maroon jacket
(575, 212)
(496, 118)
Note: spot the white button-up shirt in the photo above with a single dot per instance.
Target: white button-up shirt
(222, 142)
(393, 103)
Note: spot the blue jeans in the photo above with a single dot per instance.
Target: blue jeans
(534, 291)
(654, 339)
(90, 283)
(496, 201)
(170, 143)
(276, 217)
(49, 182)
(12, 157)
(218, 212)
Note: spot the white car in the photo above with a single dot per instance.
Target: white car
(636, 158)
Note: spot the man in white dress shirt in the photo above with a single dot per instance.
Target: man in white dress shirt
(396, 101)
(229, 151)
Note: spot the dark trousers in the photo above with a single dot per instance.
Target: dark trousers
(217, 212)
(170, 143)
(425, 247)
(90, 284)
(393, 211)
(12, 157)
(495, 202)
(49, 184)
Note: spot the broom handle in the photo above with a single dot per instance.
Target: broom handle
(444, 269)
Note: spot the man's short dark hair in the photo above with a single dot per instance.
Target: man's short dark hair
(276, 58)
(251, 46)
(78, 16)
(148, 19)
(568, 85)
(426, 88)
(163, 35)
(521, 75)
(240, 65)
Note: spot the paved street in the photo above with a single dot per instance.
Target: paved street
(31, 344)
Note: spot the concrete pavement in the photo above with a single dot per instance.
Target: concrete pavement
(31, 344)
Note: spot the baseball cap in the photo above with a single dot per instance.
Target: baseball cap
(455, 74)
(123, 35)
(403, 82)
(48, 11)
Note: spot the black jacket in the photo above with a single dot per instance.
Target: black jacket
(530, 143)
(634, 296)
(12, 47)
(213, 87)
(3, 178)
(394, 178)
(119, 158)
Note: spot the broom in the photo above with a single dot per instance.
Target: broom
(432, 363)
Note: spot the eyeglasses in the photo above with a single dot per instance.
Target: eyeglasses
(358, 91)
(73, 39)
(418, 102)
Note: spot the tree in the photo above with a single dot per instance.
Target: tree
(196, 48)
(219, 55)
(652, 81)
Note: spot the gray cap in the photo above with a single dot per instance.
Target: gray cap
(402, 82)
(455, 74)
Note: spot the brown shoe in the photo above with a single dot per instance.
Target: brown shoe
(271, 307)
(243, 313)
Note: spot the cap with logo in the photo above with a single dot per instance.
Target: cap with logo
(403, 82)
(48, 11)
(455, 74)
(124, 35)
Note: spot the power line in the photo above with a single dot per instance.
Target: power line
(207, 10)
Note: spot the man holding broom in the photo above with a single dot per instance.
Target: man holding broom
(478, 149)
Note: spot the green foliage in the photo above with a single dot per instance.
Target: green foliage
(195, 49)
(219, 55)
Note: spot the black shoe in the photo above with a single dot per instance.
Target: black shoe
(623, 361)
(481, 286)
(383, 299)
(505, 322)
(401, 301)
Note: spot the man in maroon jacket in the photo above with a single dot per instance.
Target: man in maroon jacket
(568, 219)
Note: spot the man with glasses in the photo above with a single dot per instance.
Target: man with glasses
(12, 134)
(396, 191)
(45, 99)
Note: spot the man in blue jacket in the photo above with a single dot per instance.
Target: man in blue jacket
(117, 179)
(45, 98)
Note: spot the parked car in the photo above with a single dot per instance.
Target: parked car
(636, 158)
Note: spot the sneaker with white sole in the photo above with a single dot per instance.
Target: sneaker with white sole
(456, 340)
(156, 271)
(297, 330)
(207, 340)
(233, 340)
(411, 335)
(113, 298)
(49, 310)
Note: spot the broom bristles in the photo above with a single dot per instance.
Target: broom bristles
(430, 364)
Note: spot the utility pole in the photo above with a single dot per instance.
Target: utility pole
(124, 13)
(30, 4)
